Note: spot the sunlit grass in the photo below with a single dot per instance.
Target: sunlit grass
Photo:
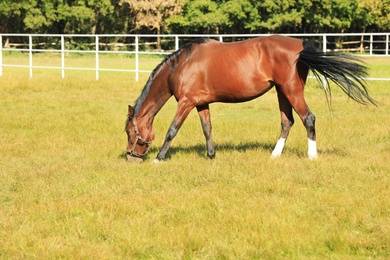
(66, 190)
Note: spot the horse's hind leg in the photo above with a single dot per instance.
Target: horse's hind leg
(296, 98)
(204, 114)
(287, 121)
(309, 122)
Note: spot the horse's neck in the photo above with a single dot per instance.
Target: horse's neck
(154, 101)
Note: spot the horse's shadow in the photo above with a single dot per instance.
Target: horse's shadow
(200, 149)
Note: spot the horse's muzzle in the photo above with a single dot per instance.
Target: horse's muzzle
(131, 158)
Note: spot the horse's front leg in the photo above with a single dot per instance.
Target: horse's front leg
(204, 114)
(181, 114)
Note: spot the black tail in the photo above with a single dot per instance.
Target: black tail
(343, 69)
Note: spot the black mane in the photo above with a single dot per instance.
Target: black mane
(173, 58)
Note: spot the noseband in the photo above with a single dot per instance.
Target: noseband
(138, 137)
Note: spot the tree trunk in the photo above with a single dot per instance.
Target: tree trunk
(362, 41)
(158, 38)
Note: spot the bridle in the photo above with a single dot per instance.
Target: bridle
(138, 138)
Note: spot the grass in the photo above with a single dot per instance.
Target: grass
(66, 190)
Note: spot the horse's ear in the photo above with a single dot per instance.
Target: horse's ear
(130, 111)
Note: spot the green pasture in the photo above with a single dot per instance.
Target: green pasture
(66, 190)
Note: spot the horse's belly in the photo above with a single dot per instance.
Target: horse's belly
(241, 92)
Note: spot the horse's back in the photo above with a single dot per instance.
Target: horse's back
(280, 41)
(250, 56)
(276, 43)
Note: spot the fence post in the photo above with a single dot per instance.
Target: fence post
(324, 43)
(30, 53)
(136, 59)
(176, 42)
(62, 56)
(324, 82)
(1, 56)
(371, 40)
(97, 56)
(387, 44)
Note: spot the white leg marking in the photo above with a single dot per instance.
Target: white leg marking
(312, 152)
(156, 161)
(278, 148)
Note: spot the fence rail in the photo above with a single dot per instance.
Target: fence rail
(136, 45)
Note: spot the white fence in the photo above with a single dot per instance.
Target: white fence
(136, 45)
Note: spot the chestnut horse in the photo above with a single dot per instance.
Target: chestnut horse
(206, 71)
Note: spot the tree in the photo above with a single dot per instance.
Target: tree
(63, 16)
(329, 15)
(199, 16)
(373, 14)
(242, 16)
(193, 16)
(277, 16)
(10, 14)
(152, 13)
(117, 20)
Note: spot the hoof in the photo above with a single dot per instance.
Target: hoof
(157, 161)
(211, 157)
(313, 157)
(276, 154)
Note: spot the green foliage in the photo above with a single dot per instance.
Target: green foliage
(375, 12)
(280, 14)
(274, 16)
(330, 15)
(194, 16)
(59, 16)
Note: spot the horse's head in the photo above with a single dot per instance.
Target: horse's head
(137, 147)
